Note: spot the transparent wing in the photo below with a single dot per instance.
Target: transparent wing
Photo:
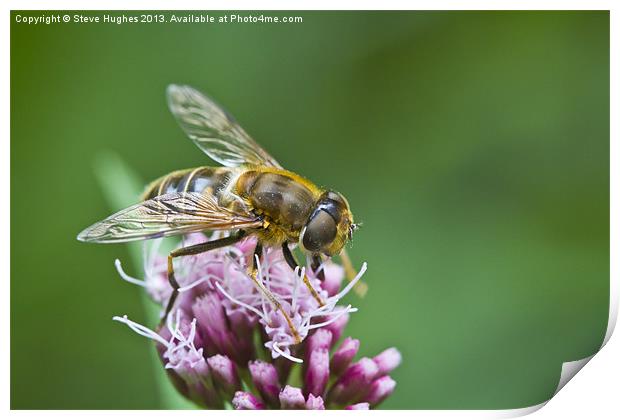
(165, 215)
(214, 130)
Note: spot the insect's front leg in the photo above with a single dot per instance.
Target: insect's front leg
(256, 255)
(290, 260)
(193, 250)
(316, 264)
(253, 273)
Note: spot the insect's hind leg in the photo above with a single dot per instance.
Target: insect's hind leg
(290, 260)
(193, 250)
(258, 252)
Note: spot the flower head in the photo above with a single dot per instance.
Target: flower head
(225, 340)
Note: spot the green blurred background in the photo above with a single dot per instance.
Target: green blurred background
(473, 146)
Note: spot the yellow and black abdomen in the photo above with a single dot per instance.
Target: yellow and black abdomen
(201, 180)
(284, 198)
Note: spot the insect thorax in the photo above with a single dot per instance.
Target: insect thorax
(283, 198)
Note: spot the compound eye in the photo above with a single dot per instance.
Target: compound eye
(319, 232)
(338, 198)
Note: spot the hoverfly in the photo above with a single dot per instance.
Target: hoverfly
(251, 195)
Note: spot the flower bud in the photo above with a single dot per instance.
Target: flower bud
(380, 389)
(212, 322)
(265, 378)
(387, 360)
(246, 401)
(344, 355)
(198, 381)
(354, 382)
(317, 373)
(314, 403)
(321, 339)
(291, 398)
(224, 374)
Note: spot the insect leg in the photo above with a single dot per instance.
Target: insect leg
(316, 263)
(290, 259)
(258, 252)
(193, 250)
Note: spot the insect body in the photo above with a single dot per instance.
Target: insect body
(252, 195)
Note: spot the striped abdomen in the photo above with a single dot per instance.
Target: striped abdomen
(202, 180)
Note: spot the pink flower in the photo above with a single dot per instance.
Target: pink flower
(246, 401)
(317, 373)
(292, 398)
(344, 355)
(224, 341)
(380, 389)
(353, 383)
(265, 378)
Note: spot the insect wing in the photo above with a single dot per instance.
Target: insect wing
(165, 215)
(214, 130)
